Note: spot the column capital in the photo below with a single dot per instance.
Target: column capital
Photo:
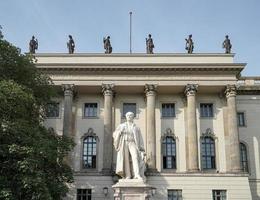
(231, 91)
(68, 89)
(108, 89)
(150, 89)
(191, 89)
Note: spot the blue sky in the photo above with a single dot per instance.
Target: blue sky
(169, 22)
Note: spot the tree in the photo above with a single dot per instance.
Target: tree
(32, 162)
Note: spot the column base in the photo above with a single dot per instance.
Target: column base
(193, 170)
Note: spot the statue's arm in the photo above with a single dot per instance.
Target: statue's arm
(116, 137)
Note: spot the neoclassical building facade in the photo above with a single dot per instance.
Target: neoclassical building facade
(198, 117)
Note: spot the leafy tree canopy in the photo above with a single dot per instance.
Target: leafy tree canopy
(32, 157)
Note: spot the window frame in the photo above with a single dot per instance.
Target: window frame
(179, 194)
(59, 110)
(244, 120)
(200, 110)
(247, 157)
(174, 113)
(90, 133)
(129, 102)
(208, 156)
(215, 197)
(84, 108)
(165, 144)
(81, 195)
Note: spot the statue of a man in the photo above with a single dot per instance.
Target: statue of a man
(33, 45)
(71, 45)
(107, 45)
(149, 44)
(128, 143)
(227, 45)
(189, 44)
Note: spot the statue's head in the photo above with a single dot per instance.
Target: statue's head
(227, 36)
(108, 37)
(70, 36)
(190, 36)
(33, 37)
(149, 35)
(129, 116)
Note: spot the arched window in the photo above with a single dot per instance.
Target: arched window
(169, 152)
(208, 153)
(243, 157)
(89, 152)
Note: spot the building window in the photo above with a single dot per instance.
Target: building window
(243, 157)
(219, 194)
(168, 110)
(90, 109)
(53, 110)
(174, 194)
(129, 107)
(206, 110)
(169, 153)
(89, 152)
(208, 153)
(83, 194)
(241, 119)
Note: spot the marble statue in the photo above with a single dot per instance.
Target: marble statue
(107, 45)
(227, 45)
(33, 45)
(189, 44)
(71, 45)
(129, 146)
(149, 44)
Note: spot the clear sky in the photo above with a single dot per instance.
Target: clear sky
(169, 22)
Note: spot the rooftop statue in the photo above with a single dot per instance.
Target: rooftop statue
(107, 45)
(71, 45)
(1, 34)
(33, 45)
(149, 44)
(189, 44)
(128, 143)
(227, 45)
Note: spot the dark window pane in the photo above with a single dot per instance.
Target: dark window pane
(243, 157)
(169, 153)
(52, 110)
(90, 109)
(208, 153)
(206, 110)
(241, 119)
(129, 107)
(168, 110)
(89, 152)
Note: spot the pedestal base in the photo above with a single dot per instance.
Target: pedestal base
(132, 189)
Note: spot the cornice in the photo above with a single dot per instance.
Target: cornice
(248, 90)
(231, 67)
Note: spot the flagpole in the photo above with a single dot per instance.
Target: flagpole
(130, 13)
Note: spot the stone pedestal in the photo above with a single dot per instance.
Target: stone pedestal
(132, 189)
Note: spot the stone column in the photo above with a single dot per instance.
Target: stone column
(150, 91)
(192, 138)
(232, 128)
(68, 101)
(108, 91)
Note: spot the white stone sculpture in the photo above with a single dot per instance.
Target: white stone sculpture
(129, 145)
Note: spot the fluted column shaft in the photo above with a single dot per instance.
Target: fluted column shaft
(232, 128)
(68, 102)
(107, 90)
(192, 138)
(150, 91)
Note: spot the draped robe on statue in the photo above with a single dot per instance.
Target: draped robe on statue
(124, 136)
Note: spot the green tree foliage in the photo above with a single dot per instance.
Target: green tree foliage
(31, 157)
